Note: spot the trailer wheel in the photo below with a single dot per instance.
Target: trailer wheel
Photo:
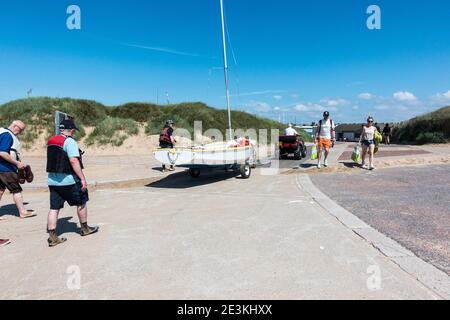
(246, 171)
(195, 173)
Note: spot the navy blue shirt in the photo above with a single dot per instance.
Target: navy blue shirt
(6, 142)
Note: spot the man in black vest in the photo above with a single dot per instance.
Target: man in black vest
(66, 181)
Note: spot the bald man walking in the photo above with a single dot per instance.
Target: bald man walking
(10, 164)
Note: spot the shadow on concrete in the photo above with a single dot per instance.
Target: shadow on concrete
(10, 210)
(66, 226)
(182, 180)
(307, 165)
(286, 163)
(351, 165)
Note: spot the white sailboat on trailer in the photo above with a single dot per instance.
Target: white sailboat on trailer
(237, 155)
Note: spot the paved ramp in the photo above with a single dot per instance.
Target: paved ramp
(218, 237)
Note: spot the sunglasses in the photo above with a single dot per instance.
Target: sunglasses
(370, 121)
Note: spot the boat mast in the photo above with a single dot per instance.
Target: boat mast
(225, 68)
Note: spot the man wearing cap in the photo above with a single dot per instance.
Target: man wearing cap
(166, 140)
(325, 138)
(10, 164)
(66, 181)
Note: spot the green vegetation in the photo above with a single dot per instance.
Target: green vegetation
(113, 125)
(38, 114)
(112, 131)
(430, 128)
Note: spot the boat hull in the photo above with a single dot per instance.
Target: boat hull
(205, 157)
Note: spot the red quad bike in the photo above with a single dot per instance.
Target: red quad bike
(292, 145)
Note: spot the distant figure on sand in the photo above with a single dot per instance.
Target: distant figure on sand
(368, 143)
(290, 131)
(325, 138)
(166, 140)
(387, 134)
(66, 181)
(11, 165)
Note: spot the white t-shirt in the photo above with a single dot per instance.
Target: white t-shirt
(290, 132)
(326, 129)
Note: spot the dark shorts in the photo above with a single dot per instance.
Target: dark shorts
(165, 145)
(72, 194)
(10, 181)
(367, 143)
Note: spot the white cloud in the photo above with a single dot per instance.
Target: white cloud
(442, 96)
(334, 102)
(405, 96)
(259, 106)
(295, 96)
(278, 97)
(366, 96)
(277, 109)
(312, 107)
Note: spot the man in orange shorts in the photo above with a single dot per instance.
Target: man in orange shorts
(325, 138)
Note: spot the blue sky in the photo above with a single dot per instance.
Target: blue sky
(290, 59)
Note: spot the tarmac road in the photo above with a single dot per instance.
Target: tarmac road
(290, 163)
(411, 205)
(217, 237)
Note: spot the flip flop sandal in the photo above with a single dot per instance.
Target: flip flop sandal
(29, 176)
(52, 243)
(4, 242)
(22, 176)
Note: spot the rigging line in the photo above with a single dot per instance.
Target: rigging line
(235, 66)
(229, 38)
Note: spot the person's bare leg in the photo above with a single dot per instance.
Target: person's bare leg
(18, 200)
(82, 212)
(52, 219)
(364, 153)
(371, 153)
(319, 154)
(327, 152)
